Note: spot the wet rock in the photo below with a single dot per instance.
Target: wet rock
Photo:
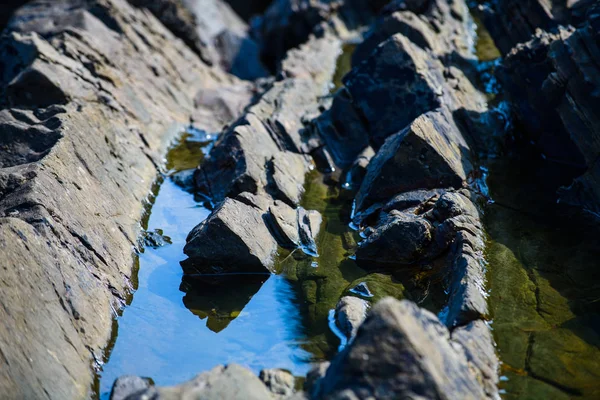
(295, 228)
(314, 377)
(400, 351)
(184, 179)
(358, 170)
(92, 94)
(402, 239)
(350, 312)
(230, 382)
(429, 153)
(285, 168)
(128, 385)
(280, 382)
(155, 239)
(478, 344)
(234, 238)
(556, 104)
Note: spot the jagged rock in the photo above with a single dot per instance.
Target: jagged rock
(400, 351)
(287, 24)
(128, 385)
(280, 382)
(515, 21)
(445, 28)
(92, 94)
(358, 170)
(478, 344)
(554, 88)
(230, 382)
(295, 228)
(213, 30)
(234, 238)
(350, 312)
(263, 151)
(402, 239)
(429, 153)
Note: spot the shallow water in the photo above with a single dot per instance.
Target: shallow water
(544, 282)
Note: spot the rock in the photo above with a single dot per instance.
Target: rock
(556, 104)
(230, 382)
(184, 179)
(234, 238)
(429, 153)
(280, 382)
(92, 95)
(128, 385)
(295, 228)
(478, 344)
(314, 378)
(358, 170)
(155, 239)
(287, 24)
(402, 239)
(400, 351)
(213, 30)
(350, 312)
(445, 28)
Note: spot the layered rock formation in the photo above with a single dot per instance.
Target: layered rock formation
(92, 94)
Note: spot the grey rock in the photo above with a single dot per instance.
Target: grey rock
(478, 344)
(184, 179)
(234, 238)
(400, 351)
(280, 382)
(350, 313)
(155, 238)
(429, 153)
(358, 169)
(230, 382)
(92, 95)
(284, 220)
(126, 386)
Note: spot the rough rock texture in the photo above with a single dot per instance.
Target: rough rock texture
(430, 153)
(213, 30)
(350, 313)
(554, 83)
(231, 382)
(511, 22)
(264, 151)
(280, 382)
(287, 24)
(92, 94)
(234, 237)
(400, 351)
(128, 385)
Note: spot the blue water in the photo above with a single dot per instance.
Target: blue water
(159, 337)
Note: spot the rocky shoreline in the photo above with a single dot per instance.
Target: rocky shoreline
(94, 91)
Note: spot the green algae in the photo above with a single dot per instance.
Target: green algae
(544, 283)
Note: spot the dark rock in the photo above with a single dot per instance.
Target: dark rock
(400, 351)
(155, 239)
(314, 378)
(402, 239)
(429, 153)
(234, 238)
(230, 382)
(444, 28)
(128, 385)
(554, 88)
(287, 24)
(280, 382)
(350, 312)
(184, 179)
(295, 228)
(358, 170)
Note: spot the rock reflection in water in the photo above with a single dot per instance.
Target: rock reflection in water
(220, 299)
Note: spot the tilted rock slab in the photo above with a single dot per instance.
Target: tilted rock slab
(400, 351)
(92, 94)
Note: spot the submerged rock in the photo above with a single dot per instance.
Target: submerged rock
(400, 351)
(350, 312)
(234, 238)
